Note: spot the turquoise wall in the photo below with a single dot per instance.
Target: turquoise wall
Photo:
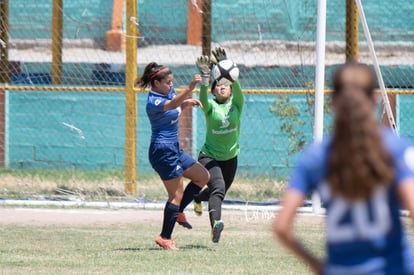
(160, 21)
(39, 124)
(87, 131)
(163, 22)
(66, 129)
(32, 19)
(39, 132)
(296, 20)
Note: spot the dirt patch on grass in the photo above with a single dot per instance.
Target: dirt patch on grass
(80, 217)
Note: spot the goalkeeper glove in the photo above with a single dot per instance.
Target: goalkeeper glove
(203, 65)
(219, 54)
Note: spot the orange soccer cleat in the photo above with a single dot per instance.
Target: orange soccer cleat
(182, 220)
(166, 244)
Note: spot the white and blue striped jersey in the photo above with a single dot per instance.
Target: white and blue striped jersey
(164, 124)
(362, 237)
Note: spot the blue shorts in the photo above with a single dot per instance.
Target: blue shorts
(168, 160)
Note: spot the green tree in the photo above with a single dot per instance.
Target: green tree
(289, 115)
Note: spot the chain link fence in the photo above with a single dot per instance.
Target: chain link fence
(64, 93)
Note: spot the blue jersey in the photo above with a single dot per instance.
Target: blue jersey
(164, 124)
(362, 237)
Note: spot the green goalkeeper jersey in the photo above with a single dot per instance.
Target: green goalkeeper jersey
(222, 124)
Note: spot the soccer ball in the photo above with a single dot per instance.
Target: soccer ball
(225, 72)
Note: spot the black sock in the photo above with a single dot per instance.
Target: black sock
(203, 195)
(170, 217)
(188, 196)
(214, 208)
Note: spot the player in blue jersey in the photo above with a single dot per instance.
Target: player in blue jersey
(364, 174)
(165, 155)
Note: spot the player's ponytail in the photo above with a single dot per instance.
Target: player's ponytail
(152, 72)
(358, 161)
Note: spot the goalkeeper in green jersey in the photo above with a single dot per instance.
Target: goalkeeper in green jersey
(221, 147)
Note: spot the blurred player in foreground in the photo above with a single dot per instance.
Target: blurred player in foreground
(362, 173)
(165, 155)
(221, 147)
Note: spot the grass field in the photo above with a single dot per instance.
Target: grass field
(85, 241)
(89, 241)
